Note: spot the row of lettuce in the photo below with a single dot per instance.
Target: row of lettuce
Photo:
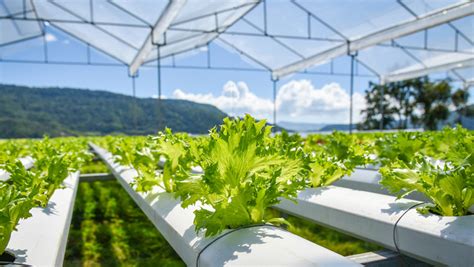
(245, 169)
(24, 189)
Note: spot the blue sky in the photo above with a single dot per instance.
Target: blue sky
(62, 47)
(301, 97)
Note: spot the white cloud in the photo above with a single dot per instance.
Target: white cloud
(50, 37)
(297, 100)
(235, 99)
(155, 96)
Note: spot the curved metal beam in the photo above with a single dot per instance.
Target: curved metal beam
(424, 22)
(169, 14)
(410, 72)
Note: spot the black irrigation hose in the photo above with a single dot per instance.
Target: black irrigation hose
(228, 233)
(394, 236)
(258, 225)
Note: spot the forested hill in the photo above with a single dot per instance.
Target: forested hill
(34, 112)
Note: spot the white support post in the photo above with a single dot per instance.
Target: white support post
(258, 246)
(428, 21)
(169, 14)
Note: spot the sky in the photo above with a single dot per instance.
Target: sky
(301, 97)
(311, 98)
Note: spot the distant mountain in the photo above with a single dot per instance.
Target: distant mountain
(34, 112)
(467, 122)
(337, 127)
(301, 126)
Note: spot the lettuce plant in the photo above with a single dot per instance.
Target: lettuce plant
(450, 188)
(243, 176)
(26, 189)
(337, 156)
(448, 184)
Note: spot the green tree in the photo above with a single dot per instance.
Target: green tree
(373, 113)
(459, 100)
(420, 101)
(403, 98)
(432, 99)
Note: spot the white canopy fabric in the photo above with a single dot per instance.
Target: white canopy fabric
(388, 36)
(126, 30)
(394, 39)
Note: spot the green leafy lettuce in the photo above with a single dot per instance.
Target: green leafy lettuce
(243, 176)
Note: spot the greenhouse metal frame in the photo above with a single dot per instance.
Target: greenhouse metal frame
(172, 34)
(136, 36)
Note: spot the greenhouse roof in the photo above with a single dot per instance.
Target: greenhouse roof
(125, 30)
(394, 39)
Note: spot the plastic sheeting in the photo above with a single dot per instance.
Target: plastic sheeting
(120, 28)
(297, 35)
(393, 39)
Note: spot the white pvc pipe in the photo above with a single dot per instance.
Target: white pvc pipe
(257, 246)
(41, 239)
(370, 216)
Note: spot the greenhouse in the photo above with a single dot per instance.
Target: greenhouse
(342, 135)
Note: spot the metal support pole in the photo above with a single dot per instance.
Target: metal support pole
(274, 81)
(158, 84)
(351, 90)
(382, 98)
(208, 56)
(134, 108)
(45, 47)
(309, 25)
(158, 71)
(426, 39)
(133, 86)
(265, 18)
(88, 53)
(456, 41)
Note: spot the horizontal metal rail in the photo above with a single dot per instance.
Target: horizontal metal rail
(385, 258)
(94, 177)
(258, 246)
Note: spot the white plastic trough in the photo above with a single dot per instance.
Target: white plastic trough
(369, 180)
(27, 162)
(41, 239)
(255, 246)
(370, 216)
